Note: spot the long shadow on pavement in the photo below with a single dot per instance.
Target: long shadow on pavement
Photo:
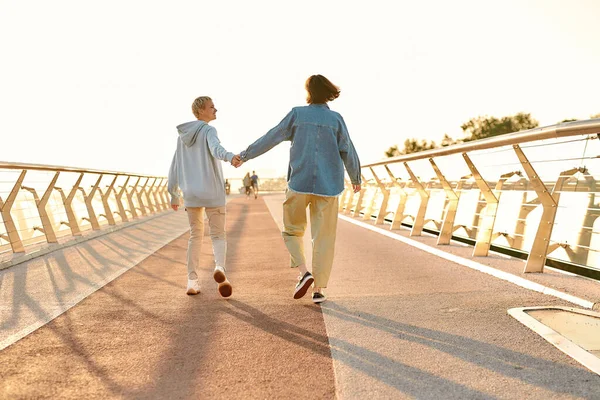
(406, 379)
(532, 370)
(177, 374)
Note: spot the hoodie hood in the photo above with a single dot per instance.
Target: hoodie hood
(189, 131)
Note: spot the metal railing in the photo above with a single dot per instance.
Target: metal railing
(48, 204)
(531, 192)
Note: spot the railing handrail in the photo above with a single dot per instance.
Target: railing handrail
(54, 168)
(565, 129)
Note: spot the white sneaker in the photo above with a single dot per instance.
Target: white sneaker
(219, 274)
(193, 287)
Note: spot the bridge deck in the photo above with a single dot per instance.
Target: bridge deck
(399, 323)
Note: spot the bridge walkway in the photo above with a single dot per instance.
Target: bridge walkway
(108, 318)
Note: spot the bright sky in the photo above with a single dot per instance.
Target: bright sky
(103, 84)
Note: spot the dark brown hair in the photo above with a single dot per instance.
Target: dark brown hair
(320, 90)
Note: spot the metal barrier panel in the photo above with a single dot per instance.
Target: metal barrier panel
(42, 204)
(533, 192)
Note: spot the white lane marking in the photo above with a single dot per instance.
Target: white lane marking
(517, 280)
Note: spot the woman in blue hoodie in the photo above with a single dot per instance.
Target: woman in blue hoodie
(321, 148)
(196, 170)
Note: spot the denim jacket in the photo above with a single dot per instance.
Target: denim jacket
(321, 147)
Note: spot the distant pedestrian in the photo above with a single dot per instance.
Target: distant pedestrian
(197, 170)
(321, 148)
(247, 184)
(254, 180)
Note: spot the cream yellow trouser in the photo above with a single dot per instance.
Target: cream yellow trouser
(323, 225)
(216, 226)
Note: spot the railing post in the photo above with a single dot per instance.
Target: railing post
(349, 202)
(539, 249)
(560, 182)
(419, 221)
(369, 209)
(119, 196)
(384, 203)
(130, 194)
(164, 195)
(107, 211)
(344, 199)
(450, 212)
(147, 193)
(139, 196)
(503, 178)
(399, 213)
(155, 195)
(73, 224)
(47, 228)
(12, 234)
(93, 220)
(486, 226)
(359, 201)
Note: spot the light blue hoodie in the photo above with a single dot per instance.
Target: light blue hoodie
(196, 168)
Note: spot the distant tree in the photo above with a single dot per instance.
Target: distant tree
(393, 151)
(414, 145)
(448, 141)
(484, 127)
(411, 146)
(595, 116)
(475, 129)
(568, 120)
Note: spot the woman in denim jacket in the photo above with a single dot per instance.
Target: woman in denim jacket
(321, 148)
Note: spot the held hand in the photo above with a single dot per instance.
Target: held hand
(175, 207)
(236, 161)
(356, 188)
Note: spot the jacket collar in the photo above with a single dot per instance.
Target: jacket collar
(324, 105)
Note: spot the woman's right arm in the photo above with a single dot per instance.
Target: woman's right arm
(283, 131)
(214, 145)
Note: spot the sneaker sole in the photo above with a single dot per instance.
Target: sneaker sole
(192, 291)
(317, 301)
(301, 291)
(219, 276)
(225, 289)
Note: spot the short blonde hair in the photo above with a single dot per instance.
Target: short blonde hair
(198, 105)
